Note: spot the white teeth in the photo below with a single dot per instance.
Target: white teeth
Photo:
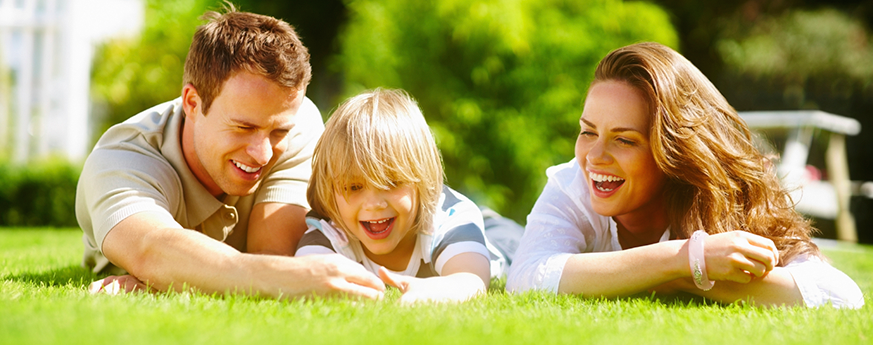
(246, 168)
(604, 178)
(378, 221)
(603, 189)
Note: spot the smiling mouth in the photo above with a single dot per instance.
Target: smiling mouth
(246, 168)
(377, 227)
(605, 183)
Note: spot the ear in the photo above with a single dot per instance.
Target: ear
(192, 104)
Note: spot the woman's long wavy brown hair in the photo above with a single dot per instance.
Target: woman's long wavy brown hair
(718, 181)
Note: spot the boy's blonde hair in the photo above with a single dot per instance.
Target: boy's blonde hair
(378, 138)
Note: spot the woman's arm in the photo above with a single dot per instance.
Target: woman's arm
(464, 276)
(624, 272)
(806, 280)
(775, 289)
(731, 259)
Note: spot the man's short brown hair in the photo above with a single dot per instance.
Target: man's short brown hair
(240, 41)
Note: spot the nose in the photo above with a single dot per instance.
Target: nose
(598, 153)
(374, 199)
(260, 149)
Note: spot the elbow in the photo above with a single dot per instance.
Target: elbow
(853, 299)
(522, 278)
(143, 263)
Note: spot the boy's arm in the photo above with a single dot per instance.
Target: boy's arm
(465, 276)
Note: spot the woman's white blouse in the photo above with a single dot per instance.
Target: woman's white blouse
(562, 223)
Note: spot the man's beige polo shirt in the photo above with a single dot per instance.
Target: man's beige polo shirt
(138, 166)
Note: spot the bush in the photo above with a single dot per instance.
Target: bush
(41, 193)
(501, 82)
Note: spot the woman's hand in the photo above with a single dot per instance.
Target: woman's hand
(739, 256)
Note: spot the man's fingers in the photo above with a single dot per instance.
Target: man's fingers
(364, 278)
(96, 286)
(353, 289)
(108, 285)
(113, 285)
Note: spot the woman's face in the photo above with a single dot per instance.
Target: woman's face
(614, 153)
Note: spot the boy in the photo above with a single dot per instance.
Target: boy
(377, 184)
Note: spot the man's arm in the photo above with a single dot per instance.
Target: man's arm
(275, 228)
(166, 257)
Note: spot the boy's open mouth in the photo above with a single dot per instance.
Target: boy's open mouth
(378, 226)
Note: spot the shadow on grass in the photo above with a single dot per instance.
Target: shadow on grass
(681, 299)
(73, 275)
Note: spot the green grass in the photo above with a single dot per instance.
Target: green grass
(43, 300)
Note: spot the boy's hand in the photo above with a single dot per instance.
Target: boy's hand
(433, 289)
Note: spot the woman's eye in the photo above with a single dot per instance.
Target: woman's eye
(354, 188)
(585, 133)
(627, 142)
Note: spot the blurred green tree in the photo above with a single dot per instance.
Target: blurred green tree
(793, 48)
(501, 82)
(131, 75)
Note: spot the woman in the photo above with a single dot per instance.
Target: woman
(661, 154)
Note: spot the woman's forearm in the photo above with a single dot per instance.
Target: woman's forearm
(625, 272)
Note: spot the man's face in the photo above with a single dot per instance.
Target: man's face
(238, 141)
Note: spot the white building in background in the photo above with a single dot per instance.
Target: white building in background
(46, 48)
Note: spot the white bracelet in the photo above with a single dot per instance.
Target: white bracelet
(697, 260)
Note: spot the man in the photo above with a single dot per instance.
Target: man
(208, 191)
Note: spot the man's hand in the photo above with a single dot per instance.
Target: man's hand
(113, 285)
(334, 274)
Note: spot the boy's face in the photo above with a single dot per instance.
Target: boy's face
(381, 219)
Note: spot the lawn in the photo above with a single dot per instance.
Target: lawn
(43, 300)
